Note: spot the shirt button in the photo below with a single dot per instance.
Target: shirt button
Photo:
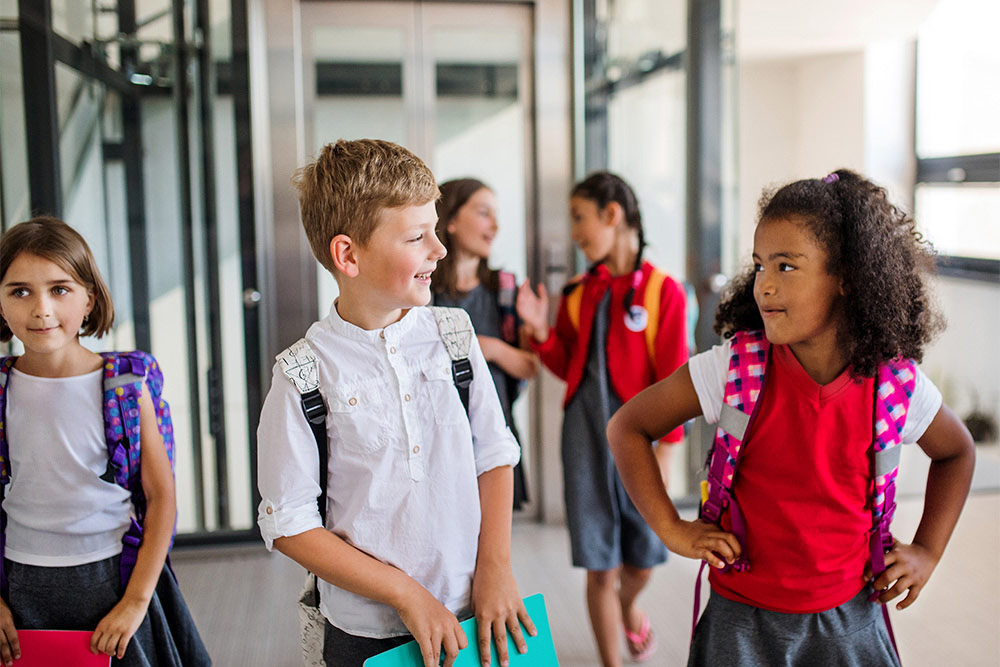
(406, 397)
(392, 350)
(381, 334)
(416, 449)
(270, 510)
(353, 401)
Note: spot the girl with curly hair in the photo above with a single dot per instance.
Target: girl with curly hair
(836, 296)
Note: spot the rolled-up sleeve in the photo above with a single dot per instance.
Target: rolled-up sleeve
(287, 465)
(492, 441)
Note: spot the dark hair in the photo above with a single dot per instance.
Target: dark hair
(454, 195)
(873, 248)
(602, 188)
(54, 240)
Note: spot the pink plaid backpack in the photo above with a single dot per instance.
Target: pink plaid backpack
(749, 351)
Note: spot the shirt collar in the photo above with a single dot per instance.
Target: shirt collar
(394, 331)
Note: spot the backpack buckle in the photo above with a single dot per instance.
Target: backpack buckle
(314, 407)
(461, 372)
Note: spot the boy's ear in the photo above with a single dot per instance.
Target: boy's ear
(343, 251)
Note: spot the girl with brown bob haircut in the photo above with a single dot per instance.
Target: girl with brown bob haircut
(86, 467)
(54, 240)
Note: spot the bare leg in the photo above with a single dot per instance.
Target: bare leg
(605, 614)
(664, 453)
(633, 580)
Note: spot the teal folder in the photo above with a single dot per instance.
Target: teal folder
(541, 652)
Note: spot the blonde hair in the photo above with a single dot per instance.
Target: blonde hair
(344, 190)
(54, 240)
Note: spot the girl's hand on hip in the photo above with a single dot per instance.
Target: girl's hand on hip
(534, 310)
(499, 609)
(907, 569)
(115, 630)
(704, 541)
(433, 626)
(10, 648)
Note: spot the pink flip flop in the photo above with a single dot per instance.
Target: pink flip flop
(642, 644)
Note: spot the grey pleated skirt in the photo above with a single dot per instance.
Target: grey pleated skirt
(733, 634)
(78, 597)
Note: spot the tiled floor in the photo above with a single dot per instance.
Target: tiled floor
(242, 598)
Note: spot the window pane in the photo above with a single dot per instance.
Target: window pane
(958, 99)
(960, 220)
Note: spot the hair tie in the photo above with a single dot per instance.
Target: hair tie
(832, 177)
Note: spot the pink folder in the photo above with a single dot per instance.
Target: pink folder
(66, 648)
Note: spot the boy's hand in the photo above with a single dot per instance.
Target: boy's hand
(534, 310)
(433, 626)
(115, 630)
(907, 568)
(10, 648)
(498, 608)
(705, 541)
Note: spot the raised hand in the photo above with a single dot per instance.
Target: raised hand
(534, 310)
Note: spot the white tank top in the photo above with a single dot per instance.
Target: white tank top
(59, 511)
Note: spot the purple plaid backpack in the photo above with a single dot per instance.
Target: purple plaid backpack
(749, 351)
(124, 373)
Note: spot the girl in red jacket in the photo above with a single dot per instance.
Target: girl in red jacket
(620, 328)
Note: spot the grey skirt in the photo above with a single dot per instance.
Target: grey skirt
(733, 634)
(78, 597)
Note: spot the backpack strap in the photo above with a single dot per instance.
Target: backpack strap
(6, 363)
(651, 302)
(300, 366)
(747, 361)
(748, 356)
(574, 301)
(893, 389)
(456, 332)
(506, 299)
(124, 375)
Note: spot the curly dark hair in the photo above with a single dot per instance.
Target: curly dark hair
(873, 248)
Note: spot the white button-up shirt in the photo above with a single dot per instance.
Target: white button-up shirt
(403, 463)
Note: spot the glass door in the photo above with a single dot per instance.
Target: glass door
(453, 83)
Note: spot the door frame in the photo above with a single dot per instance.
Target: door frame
(279, 140)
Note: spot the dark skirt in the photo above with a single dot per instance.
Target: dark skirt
(78, 597)
(733, 634)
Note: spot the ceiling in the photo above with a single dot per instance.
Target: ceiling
(775, 29)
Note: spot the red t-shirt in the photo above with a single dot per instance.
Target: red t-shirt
(803, 484)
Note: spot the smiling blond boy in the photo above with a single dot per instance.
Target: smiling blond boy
(417, 531)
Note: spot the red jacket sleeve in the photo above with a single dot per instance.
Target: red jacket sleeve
(557, 349)
(671, 338)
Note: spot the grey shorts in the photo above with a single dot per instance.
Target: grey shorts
(733, 634)
(342, 649)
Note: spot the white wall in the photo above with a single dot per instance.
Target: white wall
(799, 118)
(803, 117)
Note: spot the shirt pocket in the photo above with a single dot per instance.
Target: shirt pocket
(440, 391)
(358, 417)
